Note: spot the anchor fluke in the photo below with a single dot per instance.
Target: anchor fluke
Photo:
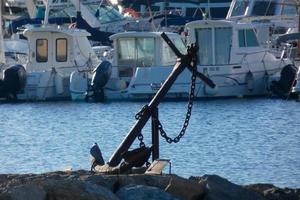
(96, 154)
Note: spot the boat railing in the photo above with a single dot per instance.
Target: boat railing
(265, 18)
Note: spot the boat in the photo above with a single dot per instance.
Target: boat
(271, 18)
(229, 54)
(54, 52)
(197, 9)
(276, 24)
(140, 64)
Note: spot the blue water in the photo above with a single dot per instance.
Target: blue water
(244, 140)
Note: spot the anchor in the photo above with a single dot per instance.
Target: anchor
(139, 156)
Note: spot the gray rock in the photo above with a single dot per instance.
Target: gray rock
(77, 190)
(25, 192)
(272, 192)
(185, 189)
(218, 188)
(134, 192)
(100, 191)
(159, 181)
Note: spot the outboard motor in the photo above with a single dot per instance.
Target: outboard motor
(287, 81)
(100, 77)
(14, 81)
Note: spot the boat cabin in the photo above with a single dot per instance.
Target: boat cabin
(54, 47)
(142, 50)
(272, 18)
(222, 42)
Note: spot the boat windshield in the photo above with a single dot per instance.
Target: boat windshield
(105, 14)
(168, 56)
(239, 7)
(136, 52)
(69, 11)
(264, 8)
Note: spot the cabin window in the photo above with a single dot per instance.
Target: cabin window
(247, 38)
(239, 8)
(136, 52)
(214, 45)
(204, 39)
(222, 45)
(61, 50)
(263, 8)
(41, 50)
(289, 9)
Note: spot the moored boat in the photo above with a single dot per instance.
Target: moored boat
(229, 54)
(54, 52)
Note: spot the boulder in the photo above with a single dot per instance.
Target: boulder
(134, 192)
(272, 192)
(218, 188)
(77, 190)
(185, 189)
(24, 192)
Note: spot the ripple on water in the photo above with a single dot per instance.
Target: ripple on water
(244, 140)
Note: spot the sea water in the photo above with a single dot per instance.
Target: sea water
(243, 140)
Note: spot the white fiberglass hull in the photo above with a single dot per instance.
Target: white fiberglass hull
(231, 81)
(43, 86)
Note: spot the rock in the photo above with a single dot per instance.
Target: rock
(83, 185)
(218, 188)
(100, 180)
(25, 192)
(272, 192)
(77, 190)
(134, 192)
(159, 181)
(185, 189)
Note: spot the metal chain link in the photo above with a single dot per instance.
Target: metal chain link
(187, 116)
(139, 114)
(141, 138)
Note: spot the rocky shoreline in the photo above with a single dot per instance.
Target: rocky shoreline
(84, 185)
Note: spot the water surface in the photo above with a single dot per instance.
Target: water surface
(244, 140)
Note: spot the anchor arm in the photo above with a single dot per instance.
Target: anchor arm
(171, 45)
(192, 50)
(203, 78)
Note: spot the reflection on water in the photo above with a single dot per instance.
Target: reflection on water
(243, 140)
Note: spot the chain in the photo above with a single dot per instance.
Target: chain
(187, 116)
(139, 114)
(141, 138)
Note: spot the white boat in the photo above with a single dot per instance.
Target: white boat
(229, 55)
(54, 52)
(141, 62)
(271, 18)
